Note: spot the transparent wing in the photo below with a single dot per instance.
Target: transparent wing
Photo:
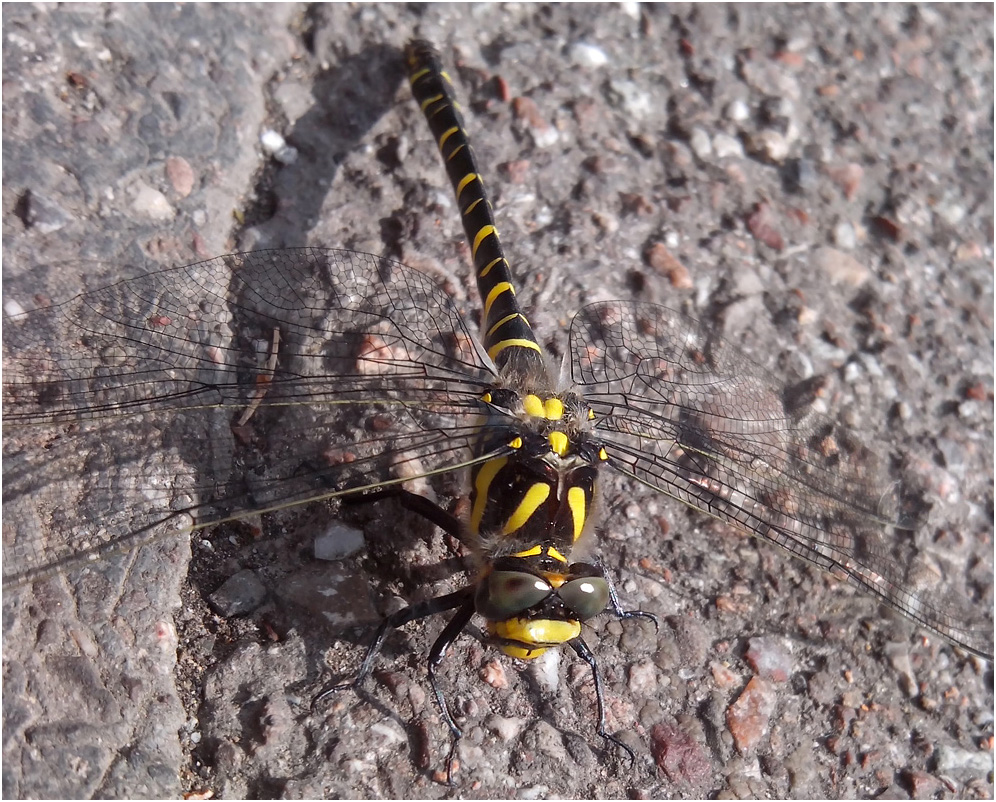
(688, 414)
(244, 383)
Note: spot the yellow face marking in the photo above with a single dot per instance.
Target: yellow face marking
(539, 632)
(578, 502)
(534, 497)
(498, 289)
(554, 408)
(537, 549)
(552, 552)
(489, 265)
(559, 443)
(497, 348)
(521, 652)
(533, 406)
(482, 482)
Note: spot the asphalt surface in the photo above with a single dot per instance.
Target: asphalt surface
(816, 182)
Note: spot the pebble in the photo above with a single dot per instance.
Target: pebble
(152, 203)
(839, 267)
(240, 594)
(13, 308)
(737, 111)
(680, 756)
(844, 235)
(748, 717)
(45, 215)
(629, 98)
(700, 143)
(770, 144)
(338, 541)
(725, 146)
(180, 175)
(585, 55)
(951, 758)
(545, 669)
(770, 658)
(275, 145)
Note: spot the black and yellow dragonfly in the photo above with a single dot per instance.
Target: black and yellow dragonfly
(284, 377)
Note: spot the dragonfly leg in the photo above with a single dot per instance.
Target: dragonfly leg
(413, 612)
(616, 606)
(436, 656)
(446, 521)
(581, 649)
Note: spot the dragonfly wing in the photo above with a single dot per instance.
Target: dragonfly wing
(688, 414)
(245, 383)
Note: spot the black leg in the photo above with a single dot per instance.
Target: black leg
(581, 649)
(617, 609)
(418, 504)
(436, 656)
(413, 612)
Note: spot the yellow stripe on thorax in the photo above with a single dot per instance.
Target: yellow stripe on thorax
(577, 500)
(535, 496)
(482, 482)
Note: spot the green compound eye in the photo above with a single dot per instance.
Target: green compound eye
(505, 594)
(586, 596)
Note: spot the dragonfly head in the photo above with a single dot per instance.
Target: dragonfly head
(530, 608)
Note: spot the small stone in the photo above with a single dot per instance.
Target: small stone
(726, 146)
(700, 143)
(770, 658)
(152, 203)
(180, 175)
(340, 596)
(747, 718)
(770, 145)
(276, 146)
(13, 308)
(44, 214)
(737, 111)
(953, 759)
(585, 55)
(506, 728)
(844, 235)
(848, 177)
(240, 594)
(840, 268)
(665, 263)
(338, 542)
(968, 410)
(680, 756)
(762, 223)
(722, 675)
(643, 678)
(545, 669)
(629, 98)
(494, 675)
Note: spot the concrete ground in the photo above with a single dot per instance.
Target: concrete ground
(816, 182)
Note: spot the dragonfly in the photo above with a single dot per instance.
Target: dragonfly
(278, 378)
